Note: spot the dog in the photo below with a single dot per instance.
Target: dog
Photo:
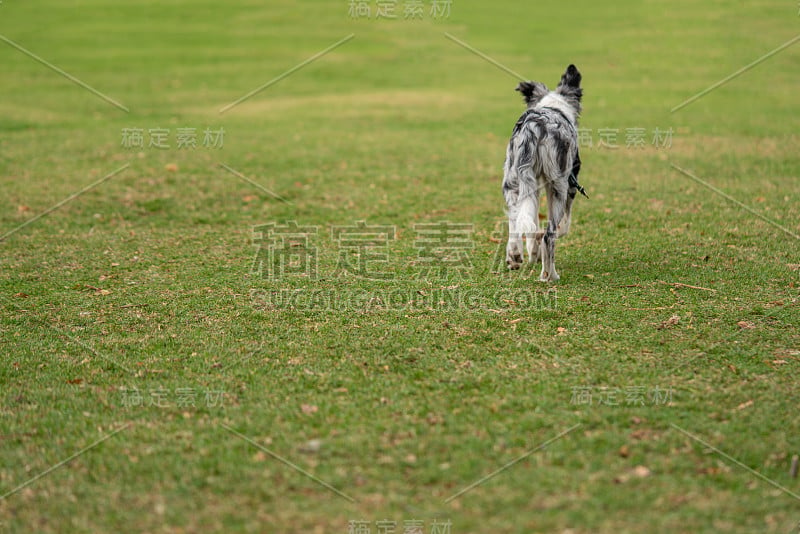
(543, 154)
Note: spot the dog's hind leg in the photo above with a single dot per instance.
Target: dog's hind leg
(556, 206)
(528, 226)
(514, 246)
(563, 226)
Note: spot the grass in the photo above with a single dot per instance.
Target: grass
(676, 313)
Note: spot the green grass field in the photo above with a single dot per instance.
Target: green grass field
(153, 379)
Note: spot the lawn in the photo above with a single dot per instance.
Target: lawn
(252, 270)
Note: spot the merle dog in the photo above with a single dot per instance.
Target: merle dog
(543, 154)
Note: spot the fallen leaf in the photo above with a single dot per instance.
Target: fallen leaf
(23, 209)
(434, 419)
(75, 381)
(672, 321)
(745, 325)
(744, 405)
(171, 167)
(311, 446)
(641, 471)
(309, 408)
(624, 451)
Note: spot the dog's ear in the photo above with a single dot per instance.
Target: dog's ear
(532, 91)
(570, 87)
(571, 78)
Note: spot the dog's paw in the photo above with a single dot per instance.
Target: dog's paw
(549, 277)
(514, 262)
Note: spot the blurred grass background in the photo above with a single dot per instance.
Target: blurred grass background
(143, 281)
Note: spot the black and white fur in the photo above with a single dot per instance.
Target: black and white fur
(542, 154)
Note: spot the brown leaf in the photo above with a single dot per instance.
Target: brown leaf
(744, 405)
(171, 167)
(624, 451)
(641, 471)
(75, 381)
(745, 325)
(309, 408)
(434, 419)
(672, 321)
